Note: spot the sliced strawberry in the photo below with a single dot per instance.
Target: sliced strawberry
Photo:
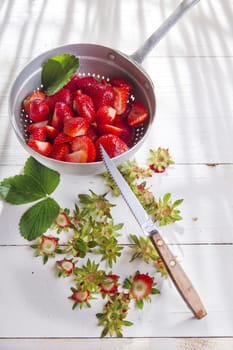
(48, 245)
(59, 151)
(118, 82)
(121, 98)
(86, 83)
(112, 144)
(138, 114)
(42, 147)
(33, 126)
(38, 134)
(84, 145)
(141, 286)
(127, 132)
(102, 95)
(84, 106)
(105, 115)
(62, 138)
(61, 112)
(72, 85)
(63, 220)
(35, 95)
(80, 296)
(38, 110)
(109, 286)
(64, 95)
(109, 129)
(93, 132)
(51, 131)
(76, 126)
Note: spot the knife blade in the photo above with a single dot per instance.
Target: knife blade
(149, 228)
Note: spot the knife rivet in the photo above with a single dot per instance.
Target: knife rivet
(172, 263)
(160, 242)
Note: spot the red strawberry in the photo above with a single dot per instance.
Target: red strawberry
(59, 151)
(51, 131)
(61, 112)
(112, 144)
(101, 94)
(38, 110)
(105, 115)
(84, 106)
(38, 134)
(121, 98)
(93, 132)
(35, 95)
(66, 267)
(63, 220)
(72, 85)
(48, 245)
(86, 83)
(42, 147)
(127, 132)
(138, 114)
(109, 285)
(141, 286)
(84, 150)
(117, 82)
(76, 126)
(62, 138)
(80, 296)
(109, 129)
(33, 126)
(64, 95)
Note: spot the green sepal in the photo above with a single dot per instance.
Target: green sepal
(38, 218)
(57, 71)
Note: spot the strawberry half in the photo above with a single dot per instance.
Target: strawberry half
(101, 94)
(84, 150)
(112, 144)
(64, 95)
(109, 129)
(35, 95)
(61, 112)
(75, 126)
(138, 114)
(38, 134)
(38, 110)
(121, 98)
(62, 138)
(33, 126)
(42, 147)
(84, 106)
(105, 115)
(59, 151)
(141, 286)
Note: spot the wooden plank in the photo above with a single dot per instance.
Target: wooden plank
(36, 305)
(200, 186)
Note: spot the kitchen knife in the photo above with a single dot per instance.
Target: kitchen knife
(174, 269)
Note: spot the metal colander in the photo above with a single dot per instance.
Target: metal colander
(103, 63)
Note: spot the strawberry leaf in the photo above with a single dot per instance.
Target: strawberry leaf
(48, 178)
(37, 219)
(57, 71)
(21, 189)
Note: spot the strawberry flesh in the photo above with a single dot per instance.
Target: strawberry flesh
(138, 114)
(112, 144)
(75, 126)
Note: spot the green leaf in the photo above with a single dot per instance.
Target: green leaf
(37, 219)
(21, 189)
(48, 178)
(57, 71)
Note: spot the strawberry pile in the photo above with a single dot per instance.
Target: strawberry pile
(71, 124)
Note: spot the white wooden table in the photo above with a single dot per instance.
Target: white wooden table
(192, 69)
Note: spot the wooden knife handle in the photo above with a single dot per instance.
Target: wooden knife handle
(179, 277)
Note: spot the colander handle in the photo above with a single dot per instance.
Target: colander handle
(150, 43)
